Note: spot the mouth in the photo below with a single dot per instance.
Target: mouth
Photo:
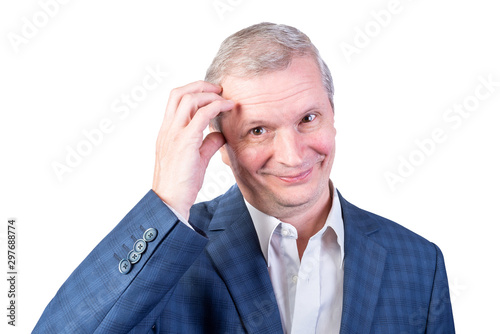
(295, 178)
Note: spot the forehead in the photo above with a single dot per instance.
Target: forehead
(299, 84)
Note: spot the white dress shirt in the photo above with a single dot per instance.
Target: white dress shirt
(309, 292)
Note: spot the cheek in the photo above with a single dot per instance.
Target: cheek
(247, 157)
(324, 142)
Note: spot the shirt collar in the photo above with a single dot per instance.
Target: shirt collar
(265, 224)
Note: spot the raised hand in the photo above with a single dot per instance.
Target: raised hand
(182, 155)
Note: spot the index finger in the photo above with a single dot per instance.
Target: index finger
(202, 117)
(194, 87)
(176, 95)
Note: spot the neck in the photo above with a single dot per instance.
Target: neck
(307, 219)
(308, 222)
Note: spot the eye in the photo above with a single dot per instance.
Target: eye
(308, 118)
(258, 131)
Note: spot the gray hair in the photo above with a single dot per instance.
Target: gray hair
(260, 49)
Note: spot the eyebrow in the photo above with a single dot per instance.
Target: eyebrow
(253, 123)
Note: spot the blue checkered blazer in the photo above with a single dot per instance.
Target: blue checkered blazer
(188, 282)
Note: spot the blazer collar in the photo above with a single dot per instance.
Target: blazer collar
(364, 263)
(235, 251)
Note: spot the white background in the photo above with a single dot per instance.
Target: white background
(64, 79)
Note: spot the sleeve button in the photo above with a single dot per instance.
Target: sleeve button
(133, 256)
(140, 246)
(124, 266)
(150, 234)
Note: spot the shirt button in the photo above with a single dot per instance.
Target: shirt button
(295, 278)
(285, 233)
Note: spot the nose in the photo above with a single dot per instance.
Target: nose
(288, 148)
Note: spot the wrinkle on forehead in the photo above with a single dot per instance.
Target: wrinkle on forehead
(274, 86)
(244, 96)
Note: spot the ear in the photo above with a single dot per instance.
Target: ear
(223, 149)
(223, 153)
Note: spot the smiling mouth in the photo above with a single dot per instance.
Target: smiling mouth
(297, 177)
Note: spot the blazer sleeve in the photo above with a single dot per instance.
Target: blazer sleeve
(440, 315)
(99, 298)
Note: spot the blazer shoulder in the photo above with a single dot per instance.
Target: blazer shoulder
(384, 231)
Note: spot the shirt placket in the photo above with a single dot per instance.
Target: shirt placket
(292, 264)
(307, 295)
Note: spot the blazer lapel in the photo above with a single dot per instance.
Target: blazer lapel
(235, 251)
(364, 263)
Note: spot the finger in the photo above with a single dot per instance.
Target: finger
(203, 116)
(189, 105)
(212, 142)
(177, 94)
(195, 132)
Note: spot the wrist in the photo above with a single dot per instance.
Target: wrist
(179, 209)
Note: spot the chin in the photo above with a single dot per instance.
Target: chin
(300, 200)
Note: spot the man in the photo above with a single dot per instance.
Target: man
(281, 251)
